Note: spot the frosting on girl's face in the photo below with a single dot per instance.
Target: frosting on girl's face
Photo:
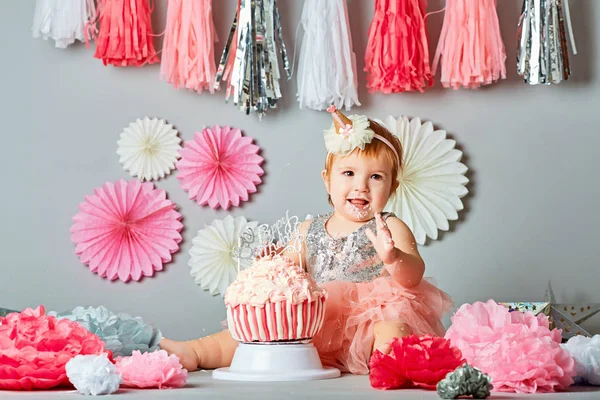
(359, 186)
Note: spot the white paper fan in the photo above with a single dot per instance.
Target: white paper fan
(212, 263)
(149, 148)
(432, 179)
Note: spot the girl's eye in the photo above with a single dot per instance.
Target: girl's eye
(377, 177)
(348, 173)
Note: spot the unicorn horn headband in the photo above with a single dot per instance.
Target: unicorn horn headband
(349, 133)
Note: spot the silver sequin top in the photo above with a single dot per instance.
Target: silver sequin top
(350, 258)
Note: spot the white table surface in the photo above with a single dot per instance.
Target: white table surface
(201, 386)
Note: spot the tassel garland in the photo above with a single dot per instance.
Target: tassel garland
(125, 37)
(470, 45)
(188, 56)
(542, 54)
(63, 21)
(327, 69)
(250, 57)
(397, 56)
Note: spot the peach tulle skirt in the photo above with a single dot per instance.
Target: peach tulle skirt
(346, 339)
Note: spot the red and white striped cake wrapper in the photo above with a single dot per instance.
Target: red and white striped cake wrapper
(276, 321)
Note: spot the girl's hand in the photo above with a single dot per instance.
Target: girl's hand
(383, 243)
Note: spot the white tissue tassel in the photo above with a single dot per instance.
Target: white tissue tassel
(327, 63)
(64, 21)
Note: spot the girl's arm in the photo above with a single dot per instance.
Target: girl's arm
(397, 248)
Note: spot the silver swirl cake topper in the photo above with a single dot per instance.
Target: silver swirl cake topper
(270, 240)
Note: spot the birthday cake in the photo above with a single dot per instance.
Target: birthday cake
(274, 300)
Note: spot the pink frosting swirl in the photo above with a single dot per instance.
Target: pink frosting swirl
(272, 279)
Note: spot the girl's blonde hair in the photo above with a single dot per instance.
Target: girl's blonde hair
(377, 149)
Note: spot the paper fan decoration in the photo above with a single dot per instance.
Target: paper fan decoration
(149, 148)
(220, 167)
(212, 261)
(126, 230)
(432, 178)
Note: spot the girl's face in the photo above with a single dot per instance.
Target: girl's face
(359, 186)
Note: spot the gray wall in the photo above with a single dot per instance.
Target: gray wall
(531, 216)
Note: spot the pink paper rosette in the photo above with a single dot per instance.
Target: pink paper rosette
(517, 350)
(220, 167)
(34, 349)
(126, 230)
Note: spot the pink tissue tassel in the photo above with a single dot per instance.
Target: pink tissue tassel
(188, 57)
(125, 37)
(397, 54)
(470, 45)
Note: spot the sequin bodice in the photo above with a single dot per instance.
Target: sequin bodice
(350, 258)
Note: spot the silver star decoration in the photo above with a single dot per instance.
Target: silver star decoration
(565, 316)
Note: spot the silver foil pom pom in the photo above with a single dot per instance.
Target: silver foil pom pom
(465, 381)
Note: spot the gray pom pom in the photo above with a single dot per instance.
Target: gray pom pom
(465, 381)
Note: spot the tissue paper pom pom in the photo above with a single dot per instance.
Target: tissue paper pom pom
(518, 350)
(151, 370)
(465, 381)
(586, 352)
(35, 347)
(414, 361)
(93, 374)
(121, 332)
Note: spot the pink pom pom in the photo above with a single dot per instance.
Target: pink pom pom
(151, 370)
(518, 350)
(35, 347)
(470, 45)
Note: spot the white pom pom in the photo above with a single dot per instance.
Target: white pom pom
(93, 374)
(586, 352)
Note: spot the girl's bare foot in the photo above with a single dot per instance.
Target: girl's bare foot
(183, 350)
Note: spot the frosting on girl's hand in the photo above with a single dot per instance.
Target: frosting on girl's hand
(383, 242)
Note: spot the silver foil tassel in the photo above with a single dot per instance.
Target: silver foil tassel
(254, 76)
(542, 54)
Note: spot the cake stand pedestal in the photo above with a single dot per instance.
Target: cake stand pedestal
(282, 361)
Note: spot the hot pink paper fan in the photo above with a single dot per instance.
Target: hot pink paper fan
(126, 230)
(220, 167)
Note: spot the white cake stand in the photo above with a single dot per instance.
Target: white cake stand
(275, 362)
